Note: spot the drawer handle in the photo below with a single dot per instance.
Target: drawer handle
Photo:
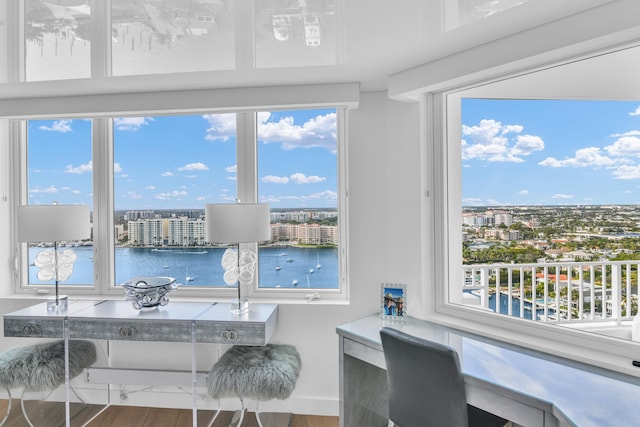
(230, 335)
(31, 330)
(126, 331)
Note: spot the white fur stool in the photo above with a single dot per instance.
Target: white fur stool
(40, 367)
(260, 373)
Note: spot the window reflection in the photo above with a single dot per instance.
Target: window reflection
(57, 39)
(154, 36)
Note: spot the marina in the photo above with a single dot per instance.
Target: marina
(279, 267)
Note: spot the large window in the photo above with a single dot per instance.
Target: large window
(535, 206)
(549, 208)
(165, 168)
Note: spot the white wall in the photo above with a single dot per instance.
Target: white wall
(384, 243)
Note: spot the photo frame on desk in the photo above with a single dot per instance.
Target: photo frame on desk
(393, 301)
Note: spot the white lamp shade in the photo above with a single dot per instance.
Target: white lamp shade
(238, 222)
(53, 223)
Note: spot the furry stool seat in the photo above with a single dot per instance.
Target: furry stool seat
(40, 367)
(260, 373)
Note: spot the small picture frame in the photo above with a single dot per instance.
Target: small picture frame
(393, 301)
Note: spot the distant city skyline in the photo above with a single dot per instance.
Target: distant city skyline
(185, 162)
(550, 152)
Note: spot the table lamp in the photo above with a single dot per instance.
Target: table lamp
(53, 224)
(235, 223)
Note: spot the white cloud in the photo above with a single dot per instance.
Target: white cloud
(626, 145)
(627, 172)
(275, 179)
(117, 168)
(300, 178)
(492, 141)
(170, 195)
(150, 187)
(635, 112)
(584, 157)
(319, 131)
(58, 126)
(85, 168)
(523, 192)
(222, 127)
(52, 189)
(562, 196)
(231, 169)
(167, 173)
(132, 195)
(198, 166)
(131, 123)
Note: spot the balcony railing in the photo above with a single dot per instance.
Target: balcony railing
(559, 292)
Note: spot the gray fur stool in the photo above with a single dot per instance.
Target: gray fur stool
(40, 367)
(260, 373)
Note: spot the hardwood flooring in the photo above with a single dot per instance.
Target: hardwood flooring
(52, 414)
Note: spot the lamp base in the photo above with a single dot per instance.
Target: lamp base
(240, 306)
(61, 304)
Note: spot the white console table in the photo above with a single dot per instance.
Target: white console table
(522, 385)
(189, 322)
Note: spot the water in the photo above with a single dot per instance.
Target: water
(515, 307)
(203, 266)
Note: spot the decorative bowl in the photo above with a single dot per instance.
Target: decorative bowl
(148, 292)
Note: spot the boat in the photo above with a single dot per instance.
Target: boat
(278, 267)
(165, 266)
(188, 278)
(311, 271)
(318, 265)
(289, 259)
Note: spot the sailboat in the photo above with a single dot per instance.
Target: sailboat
(318, 265)
(189, 278)
(294, 282)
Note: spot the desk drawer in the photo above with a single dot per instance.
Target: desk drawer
(231, 333)
(37, 328)
(152, 330)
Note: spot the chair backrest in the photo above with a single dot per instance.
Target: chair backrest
(426, 387)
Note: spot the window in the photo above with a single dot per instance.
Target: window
(515, 128)
(547, 187)
(165, 168)
(59, 170)
(298, 176)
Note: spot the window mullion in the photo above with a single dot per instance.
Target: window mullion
(247, 159)
(247, 167)
(103, 236)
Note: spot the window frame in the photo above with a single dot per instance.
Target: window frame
(441, 238)
(103, 187)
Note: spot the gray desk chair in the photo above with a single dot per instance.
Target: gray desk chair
(426, 387)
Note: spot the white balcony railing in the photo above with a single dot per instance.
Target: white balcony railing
(561, 292)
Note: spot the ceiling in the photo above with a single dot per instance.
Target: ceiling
(363, 41)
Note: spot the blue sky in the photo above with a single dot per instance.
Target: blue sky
(184, 162)
(550, 152)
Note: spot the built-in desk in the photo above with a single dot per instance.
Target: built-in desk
(188, 322)
(526, 387)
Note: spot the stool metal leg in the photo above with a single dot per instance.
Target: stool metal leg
(24, 412)
(8, 409)
(215, 415)
(258, 413)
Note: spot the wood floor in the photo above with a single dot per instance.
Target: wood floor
(48, 414)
